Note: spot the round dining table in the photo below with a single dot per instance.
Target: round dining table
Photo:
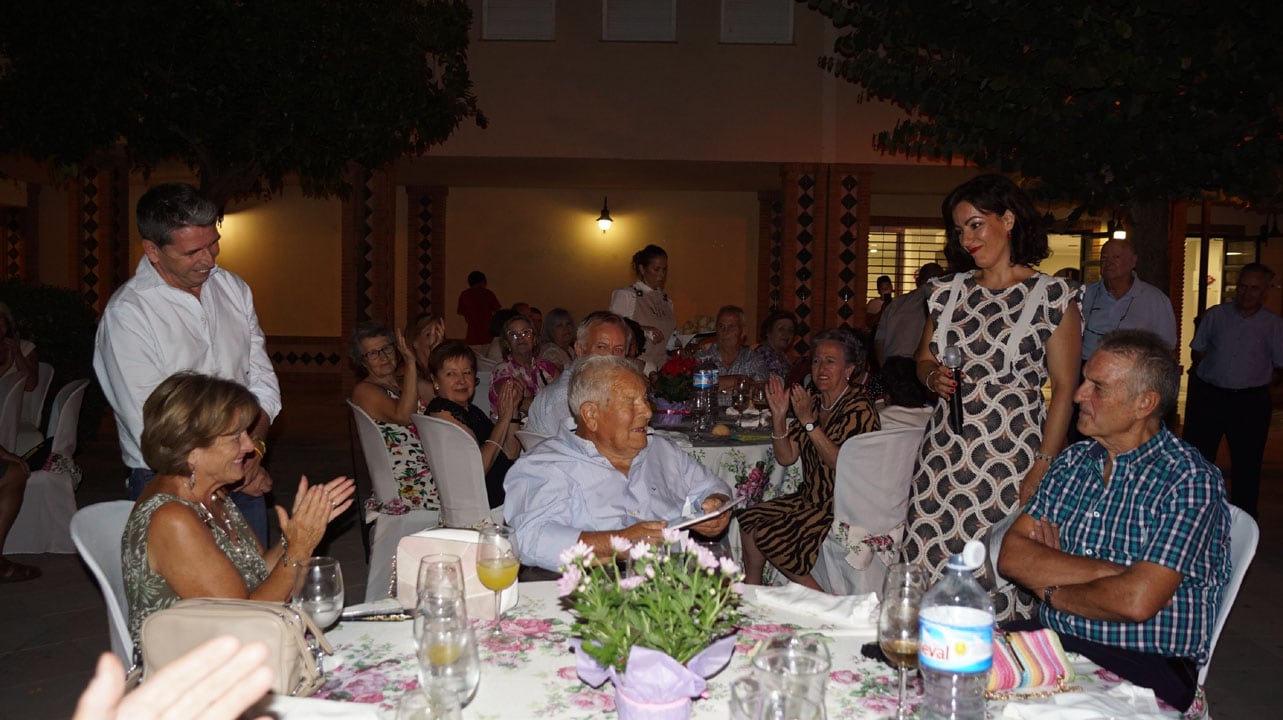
(532, 675)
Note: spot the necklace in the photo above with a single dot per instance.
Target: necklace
(835, 402)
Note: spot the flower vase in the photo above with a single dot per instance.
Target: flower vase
(632, 709)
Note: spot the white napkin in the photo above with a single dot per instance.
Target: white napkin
(849, 613)
(678, 438)
(285, 707)
(1121, 701)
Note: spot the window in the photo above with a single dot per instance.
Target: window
(639, 20)
(767, 22)
(898, 252)
(519, 20)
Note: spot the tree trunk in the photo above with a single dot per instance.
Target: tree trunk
(1148, 233)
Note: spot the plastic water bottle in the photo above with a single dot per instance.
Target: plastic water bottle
(705, 399)
(955, 643)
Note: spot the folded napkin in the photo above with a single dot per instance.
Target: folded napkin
(1121, 701)
(850, 614)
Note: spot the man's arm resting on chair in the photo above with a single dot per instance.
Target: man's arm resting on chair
(1094, 589)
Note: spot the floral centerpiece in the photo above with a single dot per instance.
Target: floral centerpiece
(654, 620)
(675, 381)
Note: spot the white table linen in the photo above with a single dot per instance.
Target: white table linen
(534, 675)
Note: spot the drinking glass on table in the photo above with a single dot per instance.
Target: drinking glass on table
(439, 590)
(434, 702)
(497, 567)
(757, 395)
(753, 699)
(740, 398)
(902, 591)
(797, 665)
(446, 649)
(318, 590)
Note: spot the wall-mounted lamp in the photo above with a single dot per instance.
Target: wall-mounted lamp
(604, 221)
(1116, 231)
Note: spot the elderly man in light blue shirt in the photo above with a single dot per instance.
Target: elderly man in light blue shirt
(601, 333)
(607, 477)
(1120, 300)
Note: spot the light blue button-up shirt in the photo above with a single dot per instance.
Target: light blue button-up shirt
(564, 486)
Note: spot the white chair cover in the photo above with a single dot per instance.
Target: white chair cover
(529, 438)
(456, 466)
(10, 409)
(388, 529)
(1244, 535)
(43, 524)
(97, 531)
(897, 416)
(481, 395)
(33, 406)
(870, 501)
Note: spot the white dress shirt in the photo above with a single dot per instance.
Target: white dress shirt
(151, 330)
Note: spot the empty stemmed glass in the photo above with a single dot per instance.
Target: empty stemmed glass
(902, 591)
(318, 590)
(497, 567)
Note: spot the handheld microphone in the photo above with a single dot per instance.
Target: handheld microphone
(952, 359)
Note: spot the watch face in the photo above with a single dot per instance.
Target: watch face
(809, 427)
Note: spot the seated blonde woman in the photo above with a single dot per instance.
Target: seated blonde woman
(185, 538)
(389, 394)
(424, 334)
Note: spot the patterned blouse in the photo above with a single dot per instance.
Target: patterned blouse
(409, 467)
(532, 379)
(146, 591)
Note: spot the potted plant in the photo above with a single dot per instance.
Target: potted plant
(654, 620)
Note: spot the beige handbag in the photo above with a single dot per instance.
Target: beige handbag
(169, 634)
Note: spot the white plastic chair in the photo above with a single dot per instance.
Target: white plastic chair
(10, 409)
(530, 438)
(456, 466)
(33, 406)
(1244, 535)
(388, 529)
(97, 531)
(43, 524)
(871, 496)
(481, 395)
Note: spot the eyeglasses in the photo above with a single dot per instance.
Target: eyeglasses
(386, 351)
(519, 334)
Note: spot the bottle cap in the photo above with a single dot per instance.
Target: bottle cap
(971, 557)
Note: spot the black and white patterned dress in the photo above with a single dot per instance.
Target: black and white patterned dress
(964, 484)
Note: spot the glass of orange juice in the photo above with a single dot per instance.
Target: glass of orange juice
(497, 566)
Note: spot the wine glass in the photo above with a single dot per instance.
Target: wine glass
(439, 591)
(740, 398)
(752, 699)
(446, 649)
(433, 702)
(797, 665)
(497, 567)
(902, 591)
(318, 590)
(758, 396)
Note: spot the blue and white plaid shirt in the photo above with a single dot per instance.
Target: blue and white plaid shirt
(1164, 504)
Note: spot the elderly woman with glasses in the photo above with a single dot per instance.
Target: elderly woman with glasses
(520, 365)
(389, 394)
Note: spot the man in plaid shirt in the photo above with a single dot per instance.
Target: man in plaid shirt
(1127, 537)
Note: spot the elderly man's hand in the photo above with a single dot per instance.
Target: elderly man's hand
(713, 526)
(1046, 532)
(650, 531)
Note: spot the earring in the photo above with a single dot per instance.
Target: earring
(1008, 236)
(191, 481)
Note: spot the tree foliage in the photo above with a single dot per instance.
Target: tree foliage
(1105, 102)
(243, 91)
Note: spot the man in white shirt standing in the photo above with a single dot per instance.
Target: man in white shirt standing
(180, 311)
(1122, 301)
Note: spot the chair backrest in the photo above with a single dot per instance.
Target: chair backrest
(897, 416)
(456, 466)
(64, 416)
(377, 458)
(10, 408)
(97, 531)
(481, 396)
(1244, 535)
(33, 403)
(530, 438)
(874, 471)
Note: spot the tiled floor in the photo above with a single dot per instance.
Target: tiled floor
(52, 629)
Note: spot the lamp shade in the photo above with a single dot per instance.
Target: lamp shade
(604, 221)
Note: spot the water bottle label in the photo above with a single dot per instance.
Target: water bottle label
(955, 639)
(705, 379)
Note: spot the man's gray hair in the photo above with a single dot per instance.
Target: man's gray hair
(602, 316)
(594, 378)
(173, 206)
(1153, 367)
(735, 310)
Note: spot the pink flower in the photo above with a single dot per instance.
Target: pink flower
(593, 700)
(568, 673)
(568, 581)
(365, 687)
(620, 544)
(844, 677)
(640, 551)
(630, 583)
(574, 552)
(729, 566)
(530, 627)
(672, 536)
(1107, 676)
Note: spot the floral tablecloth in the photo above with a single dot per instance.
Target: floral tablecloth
(534, 676)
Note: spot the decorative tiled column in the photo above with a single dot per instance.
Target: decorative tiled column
(368, 237)
(99, 247)
(425, 251)
(18, 232)
(847, 247)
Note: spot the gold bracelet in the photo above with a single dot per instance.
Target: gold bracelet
(290, 562)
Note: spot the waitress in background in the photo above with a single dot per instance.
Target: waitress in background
(646, 302)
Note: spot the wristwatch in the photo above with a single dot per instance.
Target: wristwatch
(809, 427)
(1046, 595)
